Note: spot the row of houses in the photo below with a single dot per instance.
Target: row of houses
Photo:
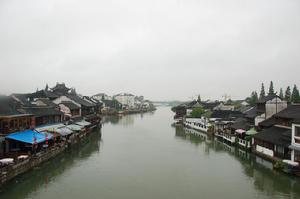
(270, 129)
(123, 102)
(56, 108)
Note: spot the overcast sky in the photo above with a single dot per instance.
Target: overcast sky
(162, 49)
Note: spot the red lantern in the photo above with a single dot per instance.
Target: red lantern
(32, 123)
(46, 138)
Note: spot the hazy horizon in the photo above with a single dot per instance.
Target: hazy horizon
(163, 50)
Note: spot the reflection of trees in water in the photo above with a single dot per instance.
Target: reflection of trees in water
(266, 180)
(33, 180)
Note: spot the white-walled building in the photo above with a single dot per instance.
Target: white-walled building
(268, 106)
(126, 99)
(295, 145)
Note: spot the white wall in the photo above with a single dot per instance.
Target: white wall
(126, 100)
(274, 106)
(264, 150)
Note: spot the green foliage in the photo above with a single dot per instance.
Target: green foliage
(288, 94)
(262, 91)
(174, 109)
(271, 89)
(207, 114)
(248, 138)
(281, 94)
(295, 98)
(279, 165)
(197, 112)
(253, 98)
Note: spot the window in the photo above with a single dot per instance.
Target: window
(297, 156)
(297, 131)
(280, 149)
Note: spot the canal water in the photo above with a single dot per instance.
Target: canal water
(144, 156)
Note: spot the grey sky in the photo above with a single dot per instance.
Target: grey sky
(162, 49)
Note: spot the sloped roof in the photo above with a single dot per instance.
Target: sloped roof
(251, 113)
(70, 105)
(267, 98)
(291, 112)
(43, 94)
(80, 101)
(226, 114)
(275, 135)
(8, 106)
(268, 122)
(245, 109)
(240, 123)
(24, 99)
(60, 87)
(47, 102)
(28, 136)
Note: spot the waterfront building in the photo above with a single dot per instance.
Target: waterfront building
(11, 121)
(295, 144)
(274, 142)
(267, 106)
(126, 99)
(225, 107)
(27, 141)
(70, 110)
(222, 121)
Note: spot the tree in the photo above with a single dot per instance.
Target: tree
(199, 99)
(262, 91)
(288, 94)
(271, 89)
(281, 94)
(252, 100)
(197, 112)
(295, 98)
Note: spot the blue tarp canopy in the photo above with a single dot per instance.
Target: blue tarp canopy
(29, 136)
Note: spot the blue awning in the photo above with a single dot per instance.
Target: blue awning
(29, 136)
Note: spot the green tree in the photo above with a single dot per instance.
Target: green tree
(199, 99)
(281, 93)
(262, 91)
(295, 98)
(288, 94)
(252, 100)
(197, 112)
(271, 89)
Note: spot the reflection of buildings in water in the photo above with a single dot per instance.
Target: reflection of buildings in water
(47, 173)
(194, 136)
(124, 120)
(265, 178)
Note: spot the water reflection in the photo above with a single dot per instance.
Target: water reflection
(48, 172)
(268, 181)
(124, 120)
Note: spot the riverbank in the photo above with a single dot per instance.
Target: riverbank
(27, 162)
(143, 156)
(126, 112)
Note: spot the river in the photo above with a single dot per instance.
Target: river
(143, 156)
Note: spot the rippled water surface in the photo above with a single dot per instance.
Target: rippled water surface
(143, 156)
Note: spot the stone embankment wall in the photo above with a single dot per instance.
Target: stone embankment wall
(9, 172)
